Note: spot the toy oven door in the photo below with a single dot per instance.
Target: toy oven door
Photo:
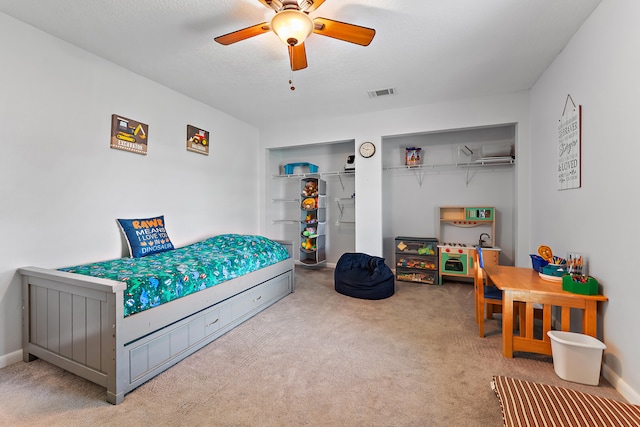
(454, 264)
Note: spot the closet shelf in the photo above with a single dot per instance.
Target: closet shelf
(286, 200)
(486, 162)
(305, 175)
(483, 163)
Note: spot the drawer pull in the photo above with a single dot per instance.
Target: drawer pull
(257, 299)
(212, 323)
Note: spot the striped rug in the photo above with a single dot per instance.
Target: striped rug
(529, 404)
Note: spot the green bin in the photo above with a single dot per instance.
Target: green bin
(583, 285)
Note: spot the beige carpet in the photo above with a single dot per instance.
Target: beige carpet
(316, 358)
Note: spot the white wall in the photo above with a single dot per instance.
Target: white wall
(599, 69)
(62, 187)
(497, 110)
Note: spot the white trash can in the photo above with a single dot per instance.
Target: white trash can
(576, 357)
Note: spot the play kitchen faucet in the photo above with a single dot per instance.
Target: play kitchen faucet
(482, 242)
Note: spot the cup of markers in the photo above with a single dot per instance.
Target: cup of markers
(576, 264)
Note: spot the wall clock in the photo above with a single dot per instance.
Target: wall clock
(367, 149)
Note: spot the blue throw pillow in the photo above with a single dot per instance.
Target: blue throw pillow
(145, 236)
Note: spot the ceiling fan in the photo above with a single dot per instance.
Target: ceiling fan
(292, 25)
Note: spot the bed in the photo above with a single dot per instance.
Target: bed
(110, 329)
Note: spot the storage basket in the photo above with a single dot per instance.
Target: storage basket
(576, 357)
(538, 262)
(290, 168)
(574, 284)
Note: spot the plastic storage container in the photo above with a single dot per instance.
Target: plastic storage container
(537, 262)
(417, 259)
(300, 167)
(554, 270)
(584, 285)
(576, 357)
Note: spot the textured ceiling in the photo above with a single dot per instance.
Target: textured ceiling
(428, 50)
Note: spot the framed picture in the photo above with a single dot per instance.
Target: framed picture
(197, 140)
(129, 135)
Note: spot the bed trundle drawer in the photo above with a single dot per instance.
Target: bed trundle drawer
(153, 352)
(259, 296)
(148, 354)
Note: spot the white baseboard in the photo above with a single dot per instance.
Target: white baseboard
(10, 359)
(620, 385)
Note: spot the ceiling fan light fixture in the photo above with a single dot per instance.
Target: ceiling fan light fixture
(292, 26)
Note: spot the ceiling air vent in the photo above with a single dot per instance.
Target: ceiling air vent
(381, 92)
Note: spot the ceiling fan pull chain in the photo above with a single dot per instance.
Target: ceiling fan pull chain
(291, 80)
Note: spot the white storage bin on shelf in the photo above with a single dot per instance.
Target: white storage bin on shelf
(576, 357)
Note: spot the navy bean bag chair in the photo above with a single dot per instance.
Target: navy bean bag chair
(363, 276)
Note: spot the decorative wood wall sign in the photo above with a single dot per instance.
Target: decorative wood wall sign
(129, 135)
(197, 140)
(570, 146)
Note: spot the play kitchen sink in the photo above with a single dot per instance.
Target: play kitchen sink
(482, 242)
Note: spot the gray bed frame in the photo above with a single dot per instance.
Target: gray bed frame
(77, 322)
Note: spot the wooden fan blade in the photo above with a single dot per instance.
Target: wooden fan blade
(310, 5)
(298, 57)
(342, 31)
(272, 4)
(243, 34)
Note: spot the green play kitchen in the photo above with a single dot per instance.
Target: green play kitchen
(461, 229)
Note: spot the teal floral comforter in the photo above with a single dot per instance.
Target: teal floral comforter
(166, 276)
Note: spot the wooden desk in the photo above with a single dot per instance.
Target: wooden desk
(525, 285)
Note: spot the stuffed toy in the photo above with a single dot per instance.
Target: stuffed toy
(309, 203)
(308, 245)
(310, 189)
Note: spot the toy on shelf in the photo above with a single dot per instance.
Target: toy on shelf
(308, 245)
(309, 232)
(413, 156)
(310, 189)
(309, 203)
(426, 250)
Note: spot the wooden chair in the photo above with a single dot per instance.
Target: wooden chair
(489, 299)
(485, 296)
